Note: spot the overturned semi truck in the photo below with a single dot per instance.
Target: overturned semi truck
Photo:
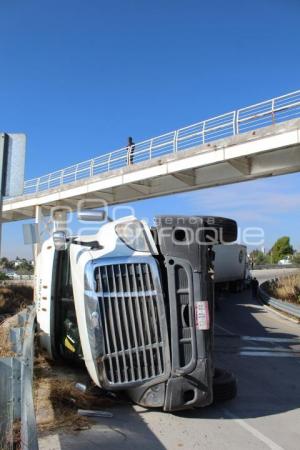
(137, 305)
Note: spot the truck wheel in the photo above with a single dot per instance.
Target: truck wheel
(224, 385)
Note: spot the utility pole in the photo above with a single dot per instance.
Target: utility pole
(12, 165)
(3, 165)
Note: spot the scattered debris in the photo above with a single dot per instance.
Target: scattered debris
(81, 387)
(91, 413)
(57, 396)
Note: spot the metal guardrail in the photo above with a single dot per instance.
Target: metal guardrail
(16, 396)
(9, 371)
(276, 266)
(12, 282)
(29, 440)
(289, 308)
(252, 117)
(18, 277)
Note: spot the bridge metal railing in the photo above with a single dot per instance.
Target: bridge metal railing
(252, 117)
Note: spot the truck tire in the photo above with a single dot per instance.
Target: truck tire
(224, 385)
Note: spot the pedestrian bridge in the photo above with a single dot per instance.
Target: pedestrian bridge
(257, 141)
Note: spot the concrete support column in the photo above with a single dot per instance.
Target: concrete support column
(39, 218)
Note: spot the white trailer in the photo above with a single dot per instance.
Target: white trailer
(231, 267)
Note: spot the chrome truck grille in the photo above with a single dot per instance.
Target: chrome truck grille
(133, 321)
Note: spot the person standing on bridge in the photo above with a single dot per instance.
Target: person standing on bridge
(130, 151)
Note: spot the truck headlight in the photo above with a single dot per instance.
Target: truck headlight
(133, 234)
(93, 324)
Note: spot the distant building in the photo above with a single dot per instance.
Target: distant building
(17, 263)
(13, 275)
(285, 261)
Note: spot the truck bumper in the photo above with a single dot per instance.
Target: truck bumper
(186, 391)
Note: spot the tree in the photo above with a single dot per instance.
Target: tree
(281, 248)
(259, 258)
(3, 276)
(4, 262)
(25, 268)
(296, 258)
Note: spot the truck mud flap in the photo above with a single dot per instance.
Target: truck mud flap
(189, 391)
(149, 397)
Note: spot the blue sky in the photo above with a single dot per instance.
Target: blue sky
(79, 77)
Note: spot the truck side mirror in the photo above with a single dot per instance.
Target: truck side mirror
(60, 240)
(92, 215)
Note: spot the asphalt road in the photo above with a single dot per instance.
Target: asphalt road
(263, 350)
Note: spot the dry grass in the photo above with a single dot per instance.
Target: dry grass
(287, 288)
(5, 347)
(64, 393)
(15, 298)
(5, 344)
(57, 399)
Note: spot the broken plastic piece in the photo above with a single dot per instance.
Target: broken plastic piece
(81, 387)
(92, 413)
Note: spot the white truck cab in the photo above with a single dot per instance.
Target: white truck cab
(136, 305)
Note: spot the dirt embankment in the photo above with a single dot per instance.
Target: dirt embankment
(57, 399)
(15, 298)
(12, 300)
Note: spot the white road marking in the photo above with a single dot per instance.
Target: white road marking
(271, 339)
(267, 441)
(272, 354)
(224, 329)
(261, 338)
(269, 349)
